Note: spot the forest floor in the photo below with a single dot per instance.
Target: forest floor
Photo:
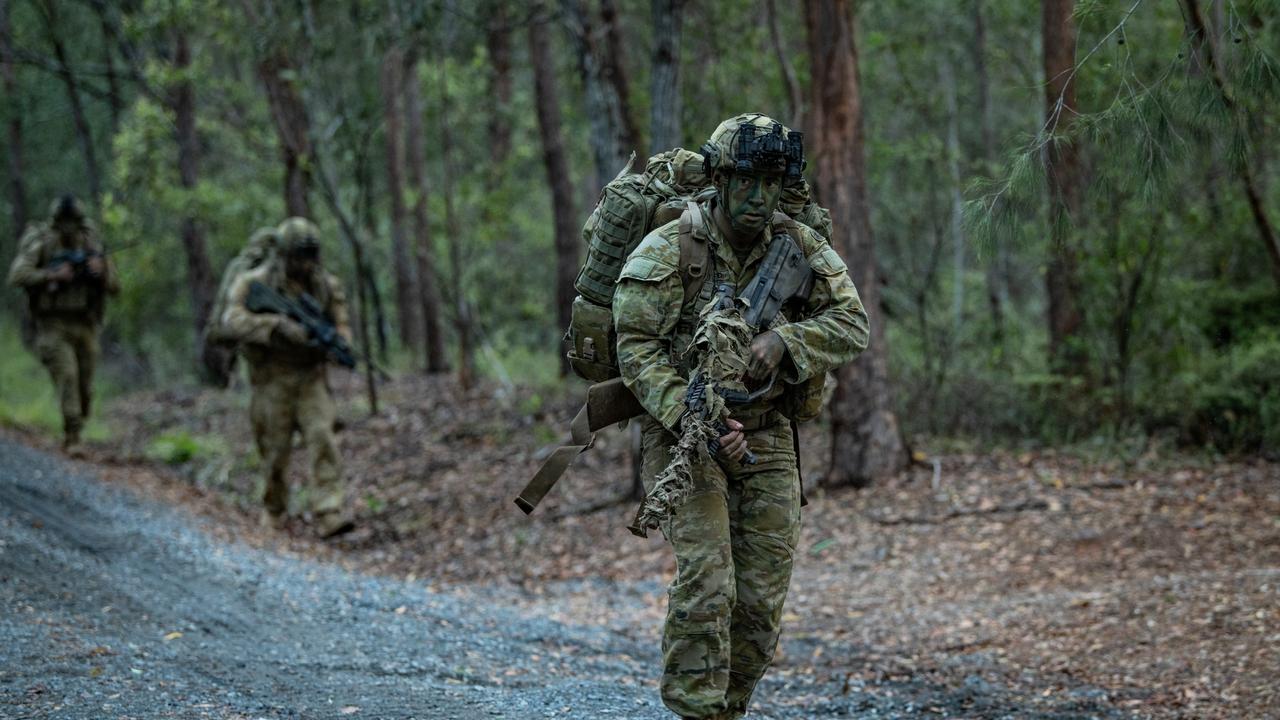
(992, 584)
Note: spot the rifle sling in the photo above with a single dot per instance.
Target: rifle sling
(608, 403)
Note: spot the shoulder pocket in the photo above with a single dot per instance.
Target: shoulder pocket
(827, 262)
(646, 270)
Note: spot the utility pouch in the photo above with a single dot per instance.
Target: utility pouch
(591, 341)
(802, 402)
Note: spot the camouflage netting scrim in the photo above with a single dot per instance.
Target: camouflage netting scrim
(720, 344)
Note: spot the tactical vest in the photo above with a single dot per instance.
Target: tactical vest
(68, 301)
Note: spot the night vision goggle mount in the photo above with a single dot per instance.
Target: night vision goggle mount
(757, 150)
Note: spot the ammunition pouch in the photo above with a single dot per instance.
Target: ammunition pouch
(591, 341)
(802, 402)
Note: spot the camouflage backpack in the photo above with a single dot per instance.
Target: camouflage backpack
(631, 206)
(259, 249)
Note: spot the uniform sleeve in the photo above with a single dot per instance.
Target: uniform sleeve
(338, 309)
(25, 271)
(835, 328)
(646, 306)
(242, 325)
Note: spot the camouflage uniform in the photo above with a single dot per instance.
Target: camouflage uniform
(67, 315)
(289, 384)
(261, 246)
(735, 537)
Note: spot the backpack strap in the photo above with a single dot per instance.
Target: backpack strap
(693, 249)
(784, 223)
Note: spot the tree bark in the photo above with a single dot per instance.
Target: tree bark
(603, 112)
(866, 443)
(547, 101)
(498, 44)
(424, 250)
(17, 180)
(84, 133)
(665, 129)
(289, 112)
(410, 323)
(795, 96)
(614, 66)
(1065, 179)
(1202, 41)
(215, 359)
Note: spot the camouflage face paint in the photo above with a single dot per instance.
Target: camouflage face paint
(749, 201)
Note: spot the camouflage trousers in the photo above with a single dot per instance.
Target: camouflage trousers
(734, 541)
(284, 400)
(68, 349)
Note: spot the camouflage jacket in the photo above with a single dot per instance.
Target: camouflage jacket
(655, 326)
(255, 330)
(79, 299)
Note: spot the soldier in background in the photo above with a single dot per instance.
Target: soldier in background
(61, 266)
(261, 247)
(287, 374)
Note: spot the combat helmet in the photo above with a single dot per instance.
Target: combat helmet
(754, 143)
(298, 236)
(66, 208)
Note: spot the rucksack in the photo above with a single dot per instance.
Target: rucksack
(631, 206)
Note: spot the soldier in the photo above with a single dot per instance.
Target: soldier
(260, 248)
(734, 537)
(61, 266)
(287, 376)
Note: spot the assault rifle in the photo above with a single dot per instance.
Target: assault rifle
(306, 312)
(784, 275)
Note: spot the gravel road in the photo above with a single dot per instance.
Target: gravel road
(115, 606)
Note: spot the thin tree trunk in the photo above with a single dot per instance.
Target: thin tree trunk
(1205, 49)
(614, 66)
(289, 112)
(795, 96)
(866, 443)
(424, 250)
(603, 114)
(114, 99)
(215, 359)
(17, 180)
(997, 265)
(498, 44)
(665, 130)
(946, 76)
(1065, 180)
(547, 101)
(84, 133)
(464, 323)
(410, 323)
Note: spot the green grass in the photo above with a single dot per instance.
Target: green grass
(27, 399)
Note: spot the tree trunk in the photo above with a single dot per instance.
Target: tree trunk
(498, 44)
(1202, 41)
(795, 96)
(547, 100)
(997, 265)
(463, 322)
(946, 77)
(410, 323)
(614, 66)
(1065, 180)
(603, 113)
(215, 359)
(424, 250)
(17, 181)
(665, 130)
(114, 98)
(84, 133)
(866, 443)
(289, 113)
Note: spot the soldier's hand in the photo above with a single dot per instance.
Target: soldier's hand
(734, 444)
(292, 332)
(766, 352)
(62, 272)
(96, 265)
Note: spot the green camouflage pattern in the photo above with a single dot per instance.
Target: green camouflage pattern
(734, 534)
(67, 316)
(289, 385)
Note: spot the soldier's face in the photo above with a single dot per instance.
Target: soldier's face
(301, 263)
(749, 200)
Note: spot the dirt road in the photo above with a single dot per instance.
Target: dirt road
(115, 606)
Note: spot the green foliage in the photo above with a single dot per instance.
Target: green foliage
(1234, 404)
(178, 447)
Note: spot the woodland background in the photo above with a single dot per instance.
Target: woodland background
(1061, 214)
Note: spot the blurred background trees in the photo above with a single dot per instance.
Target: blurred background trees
(1062, 214)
